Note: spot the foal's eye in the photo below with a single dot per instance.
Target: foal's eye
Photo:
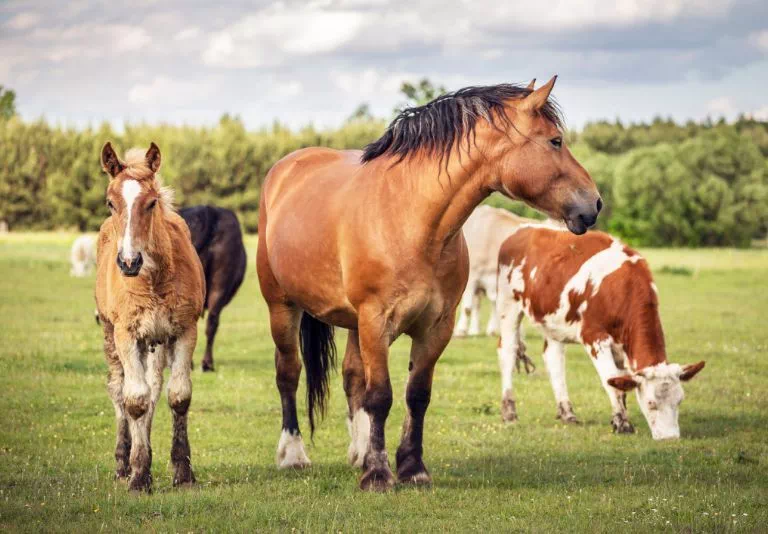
(110, 205)
(556, 142)
(151, 205)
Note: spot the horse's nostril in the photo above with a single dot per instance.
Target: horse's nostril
(599, 204)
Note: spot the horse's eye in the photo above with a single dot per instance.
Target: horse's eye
(151, 205)
(110, 205)
(556, 142)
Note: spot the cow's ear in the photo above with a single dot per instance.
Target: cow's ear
(623, 382)
(689, 371)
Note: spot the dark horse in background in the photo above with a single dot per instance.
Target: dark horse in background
(218, 240)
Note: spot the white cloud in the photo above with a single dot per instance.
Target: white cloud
(760, 40)
(165, 90)
(370, 82)
(190, 32)
(23, 21)
(721, 107)
(275, 33)
(760, 114)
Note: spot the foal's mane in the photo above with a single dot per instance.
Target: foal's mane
(448, 119)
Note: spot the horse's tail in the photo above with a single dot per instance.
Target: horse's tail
(318, 350)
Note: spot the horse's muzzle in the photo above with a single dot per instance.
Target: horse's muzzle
(131, 269)
(581, 218)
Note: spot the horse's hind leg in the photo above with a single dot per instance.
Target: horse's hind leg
(216, 301)
(284, 321)
(358, 422)
(179, 399)
(115, 389)
(425, 351)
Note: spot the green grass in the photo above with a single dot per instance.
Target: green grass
(57, 431)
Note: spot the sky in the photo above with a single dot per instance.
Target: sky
(80, 62)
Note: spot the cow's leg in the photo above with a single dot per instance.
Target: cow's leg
(510, 314)
(358, 422)
(490, 291)
(377, 400)
(284, 322)
(554, 358)
(115, 389)
(137, 397)
(465, 310)
(425, 351)
(602, 357)
(474, 316)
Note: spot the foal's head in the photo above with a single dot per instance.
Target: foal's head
(535, 164)
(136, 202)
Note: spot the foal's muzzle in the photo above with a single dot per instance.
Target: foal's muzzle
(580, 218)
(132, 268)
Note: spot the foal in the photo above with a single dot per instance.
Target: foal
(371, 241)
(149, 294)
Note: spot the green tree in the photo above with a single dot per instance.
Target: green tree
(420, 93)
(7, 103)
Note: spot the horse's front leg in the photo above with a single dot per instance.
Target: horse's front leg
(425, 351)
(137, 398)
(180, 355)
(115, 389)
(377, 399)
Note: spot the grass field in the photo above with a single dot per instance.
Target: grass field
(57, 431)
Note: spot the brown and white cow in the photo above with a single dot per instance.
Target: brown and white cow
(596, 291)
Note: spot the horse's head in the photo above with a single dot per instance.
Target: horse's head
(536, 166)
(133, 196)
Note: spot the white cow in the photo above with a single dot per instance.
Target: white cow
(83, 256)
(485, 231)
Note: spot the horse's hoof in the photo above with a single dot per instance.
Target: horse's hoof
(183, 477)
(411, 468)
(141, 483)
(208, 367)
(378, 480)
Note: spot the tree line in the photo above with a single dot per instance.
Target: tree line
(663, 183)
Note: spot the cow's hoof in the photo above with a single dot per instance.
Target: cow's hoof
(508, 410)
(622, 425)
(565, 413)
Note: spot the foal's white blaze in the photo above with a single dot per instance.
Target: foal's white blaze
(290, 451)
(360, 435)
(131, 190)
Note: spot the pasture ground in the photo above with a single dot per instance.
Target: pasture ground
(57, 431)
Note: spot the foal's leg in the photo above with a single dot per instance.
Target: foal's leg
(115, 389)
(284, 321)
(425, 351)
(358, 422)
(377, 400)
(179, 398)
(137, 398)
(554, 358)
(606, 368)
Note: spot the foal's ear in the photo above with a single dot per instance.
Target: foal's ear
(623, 382)
(153, 158)
(538, 98)
(531, 85)
(689, 371)
(110, 162)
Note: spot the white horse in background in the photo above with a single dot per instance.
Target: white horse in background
(83, 256)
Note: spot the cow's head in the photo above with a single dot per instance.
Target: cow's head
(659, 392)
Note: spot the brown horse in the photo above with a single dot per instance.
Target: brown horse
(372, 242)
(150, 291)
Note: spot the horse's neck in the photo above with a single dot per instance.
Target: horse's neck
(445, 198)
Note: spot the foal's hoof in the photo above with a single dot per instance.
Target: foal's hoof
(123, 472)
(183, 476)
(379, 480)
(141, 483)
(622, 426)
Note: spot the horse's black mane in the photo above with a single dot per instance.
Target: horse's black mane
(437, 126)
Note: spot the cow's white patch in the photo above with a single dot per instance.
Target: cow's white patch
(290, 451)
(591, 274)
(360, 435)
(660, 394)
(131, 190)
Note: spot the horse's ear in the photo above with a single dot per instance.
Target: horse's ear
(110, 162)
(538, 98)
(153, 158)
(531, 85)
